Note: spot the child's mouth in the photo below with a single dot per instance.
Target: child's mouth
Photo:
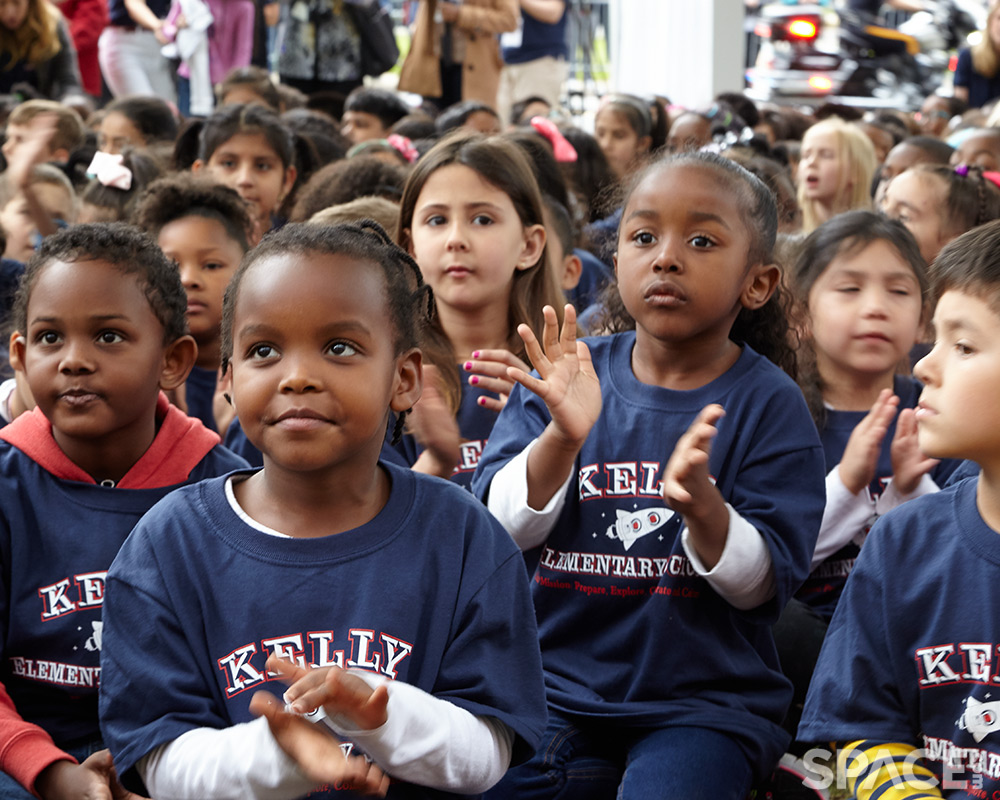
(78, 397)
(664, 294)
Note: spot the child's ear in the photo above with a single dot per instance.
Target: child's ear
(226, 384)
(61, 155)
(572, 269)
(534, 243)
(409, 382)
(645, 143)
(197, 165)
(762, 280)
(178, 359)
(17, 351)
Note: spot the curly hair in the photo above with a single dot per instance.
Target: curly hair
(343, 181)
(127, 249)
(187, 195)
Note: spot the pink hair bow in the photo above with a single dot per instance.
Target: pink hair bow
(404, 146)
(109, 171)
(561, 147)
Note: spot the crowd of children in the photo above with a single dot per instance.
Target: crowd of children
(516, 459)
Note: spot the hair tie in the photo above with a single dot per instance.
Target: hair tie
(561, 148)
(404, 146)
(962, 169)
(109, 171)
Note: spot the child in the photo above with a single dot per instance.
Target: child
(249, 85)
(249, 150)
(908, 153)
(654, 620)
(859, 284)
(135, 122)
(34, 206)
(979, 148)
(117, 183)
(100, 331)
(370, 113)
(471, 216)
(909, 660)
(204, 229)
(623, 127)
(319, 332)
(67, 136)
(937, 203)
(835, 171)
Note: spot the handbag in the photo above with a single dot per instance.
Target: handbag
(379, 52)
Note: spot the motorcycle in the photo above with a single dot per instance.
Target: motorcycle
(811, 53)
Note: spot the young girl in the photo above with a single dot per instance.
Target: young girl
(658, 579)
(204, 228)
(938, 203)
(439, 681)
(135, 122)
(247, 148)
(623, 127)
(835, 171)
(860, 285)
(117, 181)
(471, 216)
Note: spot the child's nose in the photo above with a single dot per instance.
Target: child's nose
(298, 375)
(76, 358)
(457, 239)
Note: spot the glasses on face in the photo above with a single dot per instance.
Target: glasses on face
(929, 115)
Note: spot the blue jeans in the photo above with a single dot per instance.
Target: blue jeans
(12, 790)
(594, 761)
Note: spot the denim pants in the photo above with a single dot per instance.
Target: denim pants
(12, 790)
(596, 761)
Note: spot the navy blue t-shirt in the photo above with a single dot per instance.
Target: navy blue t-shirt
(912, 652)
(629, 632)
(57, 539)
(432, 591)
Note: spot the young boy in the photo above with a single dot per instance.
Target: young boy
(371, 113)
(100, 330)
(909, 672)
(68, 134)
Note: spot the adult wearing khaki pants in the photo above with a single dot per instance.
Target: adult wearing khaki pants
(535, 56)
(455, 54)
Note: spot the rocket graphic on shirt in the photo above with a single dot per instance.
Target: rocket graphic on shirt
(980, 719)
(630, 526)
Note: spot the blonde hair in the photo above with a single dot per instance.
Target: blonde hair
(69, 133)
(985, 58)
(37, 39)
(383, 211)
(857, 167)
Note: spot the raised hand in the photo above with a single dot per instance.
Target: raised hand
(909, 464)
(434, 425)
(567, 382)
(860, 459)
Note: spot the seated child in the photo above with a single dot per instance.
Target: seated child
(319, 328)
(33, 207)
(67, 137)
(907, 673)
(981, 148)
(204, 228)
(100, 330)
(370, 113)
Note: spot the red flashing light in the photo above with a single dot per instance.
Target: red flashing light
(803, 29)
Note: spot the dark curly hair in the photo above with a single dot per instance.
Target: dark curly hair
(187, 195)
(130, 251)
(343, 181)
(410, 302)
(764, 329)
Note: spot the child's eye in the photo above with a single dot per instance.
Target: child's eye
(702, 241)
(848, 289)
(342, 349)
(262, 352)
(643, 238)
(47, 337)
(110, 337)
(435, 220)
(213, 265)
(264, 166)
(963, 349)
(482, 219)
(902, 292)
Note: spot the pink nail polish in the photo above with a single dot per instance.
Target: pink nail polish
(475, 354)
(482, 401)
(474, 380)
(467, 365)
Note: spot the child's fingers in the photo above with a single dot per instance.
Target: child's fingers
(568, 337)
(493, 403)
(529, 382)
(499, 385)
(532, 349)
(550, 333)
(493, 362)
(286, 671)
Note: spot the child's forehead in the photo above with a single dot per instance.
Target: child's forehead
(64, 282)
